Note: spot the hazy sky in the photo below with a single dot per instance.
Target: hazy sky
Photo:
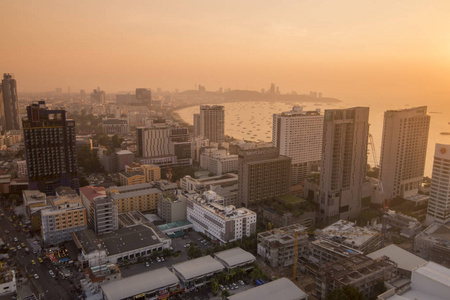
(344, 48)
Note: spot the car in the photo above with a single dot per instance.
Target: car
(235, 286)
(187, 245)
(27, 250)
(34, 252)
(40, 260)
(158, 260)
(199, 239)
(51, 273)
(23, 245)
(221, 287)
(16, 239)
(18, 247)
(147, 264)
(33, 262)
(36, 276)
(7, 231)
(162, 258)
(241, 282)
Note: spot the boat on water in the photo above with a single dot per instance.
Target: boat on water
(445, 133)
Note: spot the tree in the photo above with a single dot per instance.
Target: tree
(214, 286)
(83, 181)
(347, 292)
(232, 273)
(256, 273)
(116, 141)
(225, 294)
(193, 251)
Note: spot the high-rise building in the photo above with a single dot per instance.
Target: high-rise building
(344, 162)
(439, 202)
(50, 149)
(403, 151)
(298, 135)
(263, 174)
(9, 106)
(212, 123)
(144, 96)
(98, 96)
(196, 125)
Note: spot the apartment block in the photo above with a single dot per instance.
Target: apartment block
(172, 206)
(142, 197)
(102, 216)
(130, 178)
(263, 174)
(223, 223)
(298, 135)
(403, 151)
(344, 163)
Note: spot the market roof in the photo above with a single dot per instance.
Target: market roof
(234, 257)
(280, 289)
(138, 284)
(404, 259)
(198, 267)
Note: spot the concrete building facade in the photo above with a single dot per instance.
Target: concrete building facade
(212, 123)
(403, 151)
(344, 162)
(298, 135)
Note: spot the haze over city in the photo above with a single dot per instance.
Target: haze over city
(225, 150)
(355, 50)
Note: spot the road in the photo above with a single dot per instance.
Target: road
(52, 288)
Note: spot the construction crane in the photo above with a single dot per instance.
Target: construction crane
(296, 235)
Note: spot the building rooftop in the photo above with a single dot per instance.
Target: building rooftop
(198, 267)
(33, 196)
(130, 174)
(234, 257)
(337, 248)
(404, 259)
(437, 233)
(91, 192)
(138, 193)
(129, 188)
(280, 289)
(348, 233)
(124, 152)
(138, 284)
(435, 272)
(172, 225)
(118, 241)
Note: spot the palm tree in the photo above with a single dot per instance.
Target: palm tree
(214, 286)
(232, 273)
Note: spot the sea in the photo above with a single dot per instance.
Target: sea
(252, 121)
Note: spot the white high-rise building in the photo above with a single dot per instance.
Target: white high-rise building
(403, 151)
(212, 123)
(439, 202)
(298, 135)
(344, 162)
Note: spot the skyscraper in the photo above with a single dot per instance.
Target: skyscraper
(98, 96)
(196, 125)
(10, 106)
(439, 203)
(212, 123)
(50, 149)
(298, 135)
(403, 151)
(263, 174)
(144, 96)
(344, 159)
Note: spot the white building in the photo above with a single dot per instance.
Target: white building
(344, 163)
(439, 202)
(172, 206)
(223, 223)
(7, 283)
(403, 151)
(218, 162)
(280, 289)
(298, 135)
(434, 243)
(22, 170)
(115, 126)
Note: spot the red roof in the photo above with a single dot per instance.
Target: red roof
(91, 192)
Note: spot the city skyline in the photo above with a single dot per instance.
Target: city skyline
(349, 50)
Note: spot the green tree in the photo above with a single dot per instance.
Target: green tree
(116, 141)
(256, 273)
(214, 286)
(225, 294)
(232, 273)
(193, 251)
(348, 292)
(83, 181)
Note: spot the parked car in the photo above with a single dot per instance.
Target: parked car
(36, 276)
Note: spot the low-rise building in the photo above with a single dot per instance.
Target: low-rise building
(348, 234)
(277, 247)
(223, 223)
(34, 201)
(66, 215)
(323, 251)
(151, 172)
(434, 243)
(22, 170)
(130, 178)
(218, 162)
(124, 244)
(359, 271)
(409, 226)
(280, 289)
(156, 284)
(430, 281)
(172, 207)
(142, 197)
(224, 185)
(197, 272)
(235, 258)
(7, 283)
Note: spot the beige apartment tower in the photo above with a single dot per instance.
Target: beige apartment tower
(263, 174)
(344, 162)
(212, 123)
(403, 151)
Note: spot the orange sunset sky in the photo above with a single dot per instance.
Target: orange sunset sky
(347, 49)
